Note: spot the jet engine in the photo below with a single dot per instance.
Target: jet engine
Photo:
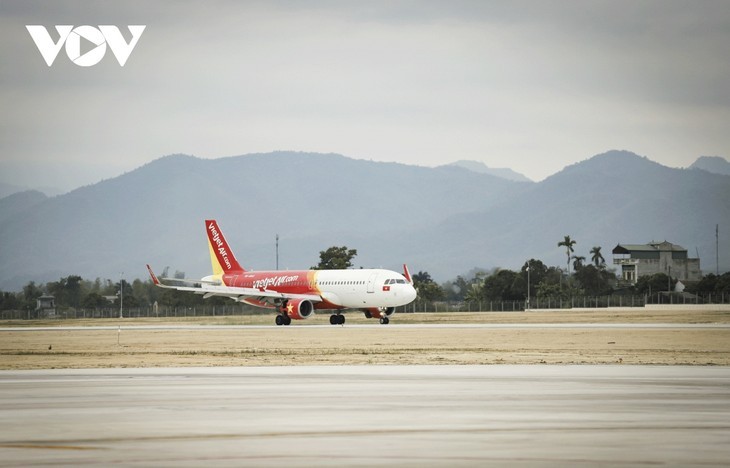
(299, 309)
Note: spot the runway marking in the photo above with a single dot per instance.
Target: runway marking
(45, 446)
(62, 444)
(687, 326)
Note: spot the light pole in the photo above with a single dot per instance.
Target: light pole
(121, 293)
(528, 287)
(669, 279)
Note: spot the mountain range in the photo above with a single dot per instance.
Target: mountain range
(504, 173)
(714, 164)
(443, 220)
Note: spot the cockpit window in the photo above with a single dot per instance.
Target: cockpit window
(395, 281)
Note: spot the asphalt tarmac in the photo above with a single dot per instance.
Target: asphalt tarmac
(410, 326)
(367, 416)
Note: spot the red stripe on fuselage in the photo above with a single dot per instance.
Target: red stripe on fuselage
(292, 282)
(285, 282)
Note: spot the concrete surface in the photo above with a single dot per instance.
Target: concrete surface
(367, 416)
(678, 326)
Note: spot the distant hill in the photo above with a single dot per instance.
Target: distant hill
(611, 198)
(18, 203)
(155, 214)
(714, 164)
(443, 220)
(9, 189)
(504, 173)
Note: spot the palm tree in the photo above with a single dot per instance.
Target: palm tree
(596, 257)
(578, 262)
(474, 294)
(568, 243)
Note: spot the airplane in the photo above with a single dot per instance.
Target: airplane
(296, 294)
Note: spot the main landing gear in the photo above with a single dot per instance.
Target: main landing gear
(337, 319)
(283, 320)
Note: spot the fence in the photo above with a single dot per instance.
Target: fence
(567, 303)
(416, 306)
(135, 312)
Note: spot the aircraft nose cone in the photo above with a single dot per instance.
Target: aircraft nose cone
(411, 294)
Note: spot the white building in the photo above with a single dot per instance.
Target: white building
(637, 260)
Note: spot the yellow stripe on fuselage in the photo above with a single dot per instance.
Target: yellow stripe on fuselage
(312, 279)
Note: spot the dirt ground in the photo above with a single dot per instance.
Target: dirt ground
(300, 344)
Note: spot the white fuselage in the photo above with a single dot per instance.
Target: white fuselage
(364, 288)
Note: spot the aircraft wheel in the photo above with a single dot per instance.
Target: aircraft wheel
(287, 320)
(384, 320)
(333, 320)
(279, 320)
(341, 320)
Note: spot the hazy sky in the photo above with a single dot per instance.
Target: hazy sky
(529, 85)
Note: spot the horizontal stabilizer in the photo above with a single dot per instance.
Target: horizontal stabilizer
(190, 281)
(162, 281)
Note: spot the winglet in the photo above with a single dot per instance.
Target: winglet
(407, 273)
(155, 281)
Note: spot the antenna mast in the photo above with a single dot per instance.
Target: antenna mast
(277, 251)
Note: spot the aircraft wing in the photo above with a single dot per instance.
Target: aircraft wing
(210, 289)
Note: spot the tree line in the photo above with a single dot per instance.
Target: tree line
(75, 292)
(545, 282)
(552, 282)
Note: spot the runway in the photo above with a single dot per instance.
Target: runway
(367, 416)
(451, 326)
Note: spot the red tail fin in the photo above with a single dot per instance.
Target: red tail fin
(153, 276)
(407, 273)
(221, 255)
